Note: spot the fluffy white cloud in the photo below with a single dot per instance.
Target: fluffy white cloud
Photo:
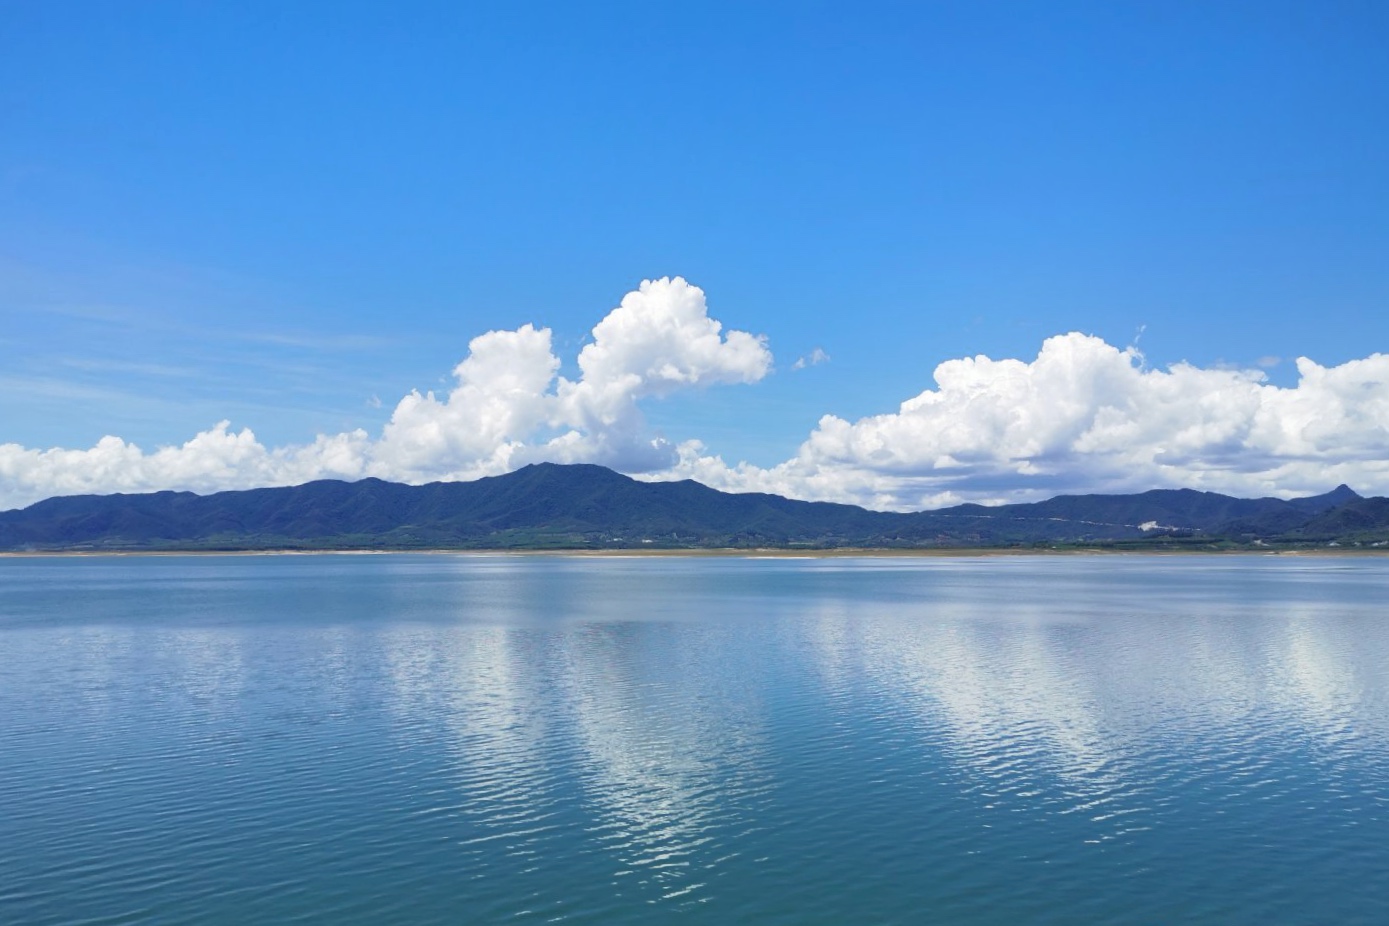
(659, 340)
(503, 396)
(509, 407)
(214, 460)
(1083, 416)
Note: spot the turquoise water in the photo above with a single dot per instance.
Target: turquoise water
(470, 739)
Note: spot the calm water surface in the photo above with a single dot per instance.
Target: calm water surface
(471, 739)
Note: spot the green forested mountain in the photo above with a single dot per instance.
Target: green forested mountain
(554, 506)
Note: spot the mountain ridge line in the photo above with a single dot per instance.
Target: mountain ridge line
(585, 506)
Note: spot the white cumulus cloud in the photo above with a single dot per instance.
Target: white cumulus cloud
(659, 340)
(508, 407)
(213, 460)
(502, 397)
(1082, 416)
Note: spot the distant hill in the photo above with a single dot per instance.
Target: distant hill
(549, 506)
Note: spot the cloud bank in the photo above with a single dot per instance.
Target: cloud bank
(1082, 416)
(509, 407)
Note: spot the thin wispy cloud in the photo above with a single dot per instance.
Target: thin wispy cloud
(103, 365)
(314, 342)
(56, 387)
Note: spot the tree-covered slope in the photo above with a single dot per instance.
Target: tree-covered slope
(549, 505)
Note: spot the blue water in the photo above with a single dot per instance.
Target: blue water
(473, 739)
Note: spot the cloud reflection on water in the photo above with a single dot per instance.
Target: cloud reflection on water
(670, 751)
(544, 736)
(660, 731)
(1019, 680)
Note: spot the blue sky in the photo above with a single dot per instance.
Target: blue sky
(290, 216)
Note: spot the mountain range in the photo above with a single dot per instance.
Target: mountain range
(552, 506)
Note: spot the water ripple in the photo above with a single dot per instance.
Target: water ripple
(425, 740)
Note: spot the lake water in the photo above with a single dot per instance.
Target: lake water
(472, 739)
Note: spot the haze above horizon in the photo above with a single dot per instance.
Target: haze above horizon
(900, 256)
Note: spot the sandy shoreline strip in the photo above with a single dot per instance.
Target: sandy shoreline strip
(721, 553)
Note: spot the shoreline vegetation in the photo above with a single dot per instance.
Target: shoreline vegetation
(738, 552)
(592, 511)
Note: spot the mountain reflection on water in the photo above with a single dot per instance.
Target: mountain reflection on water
(424, 738)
